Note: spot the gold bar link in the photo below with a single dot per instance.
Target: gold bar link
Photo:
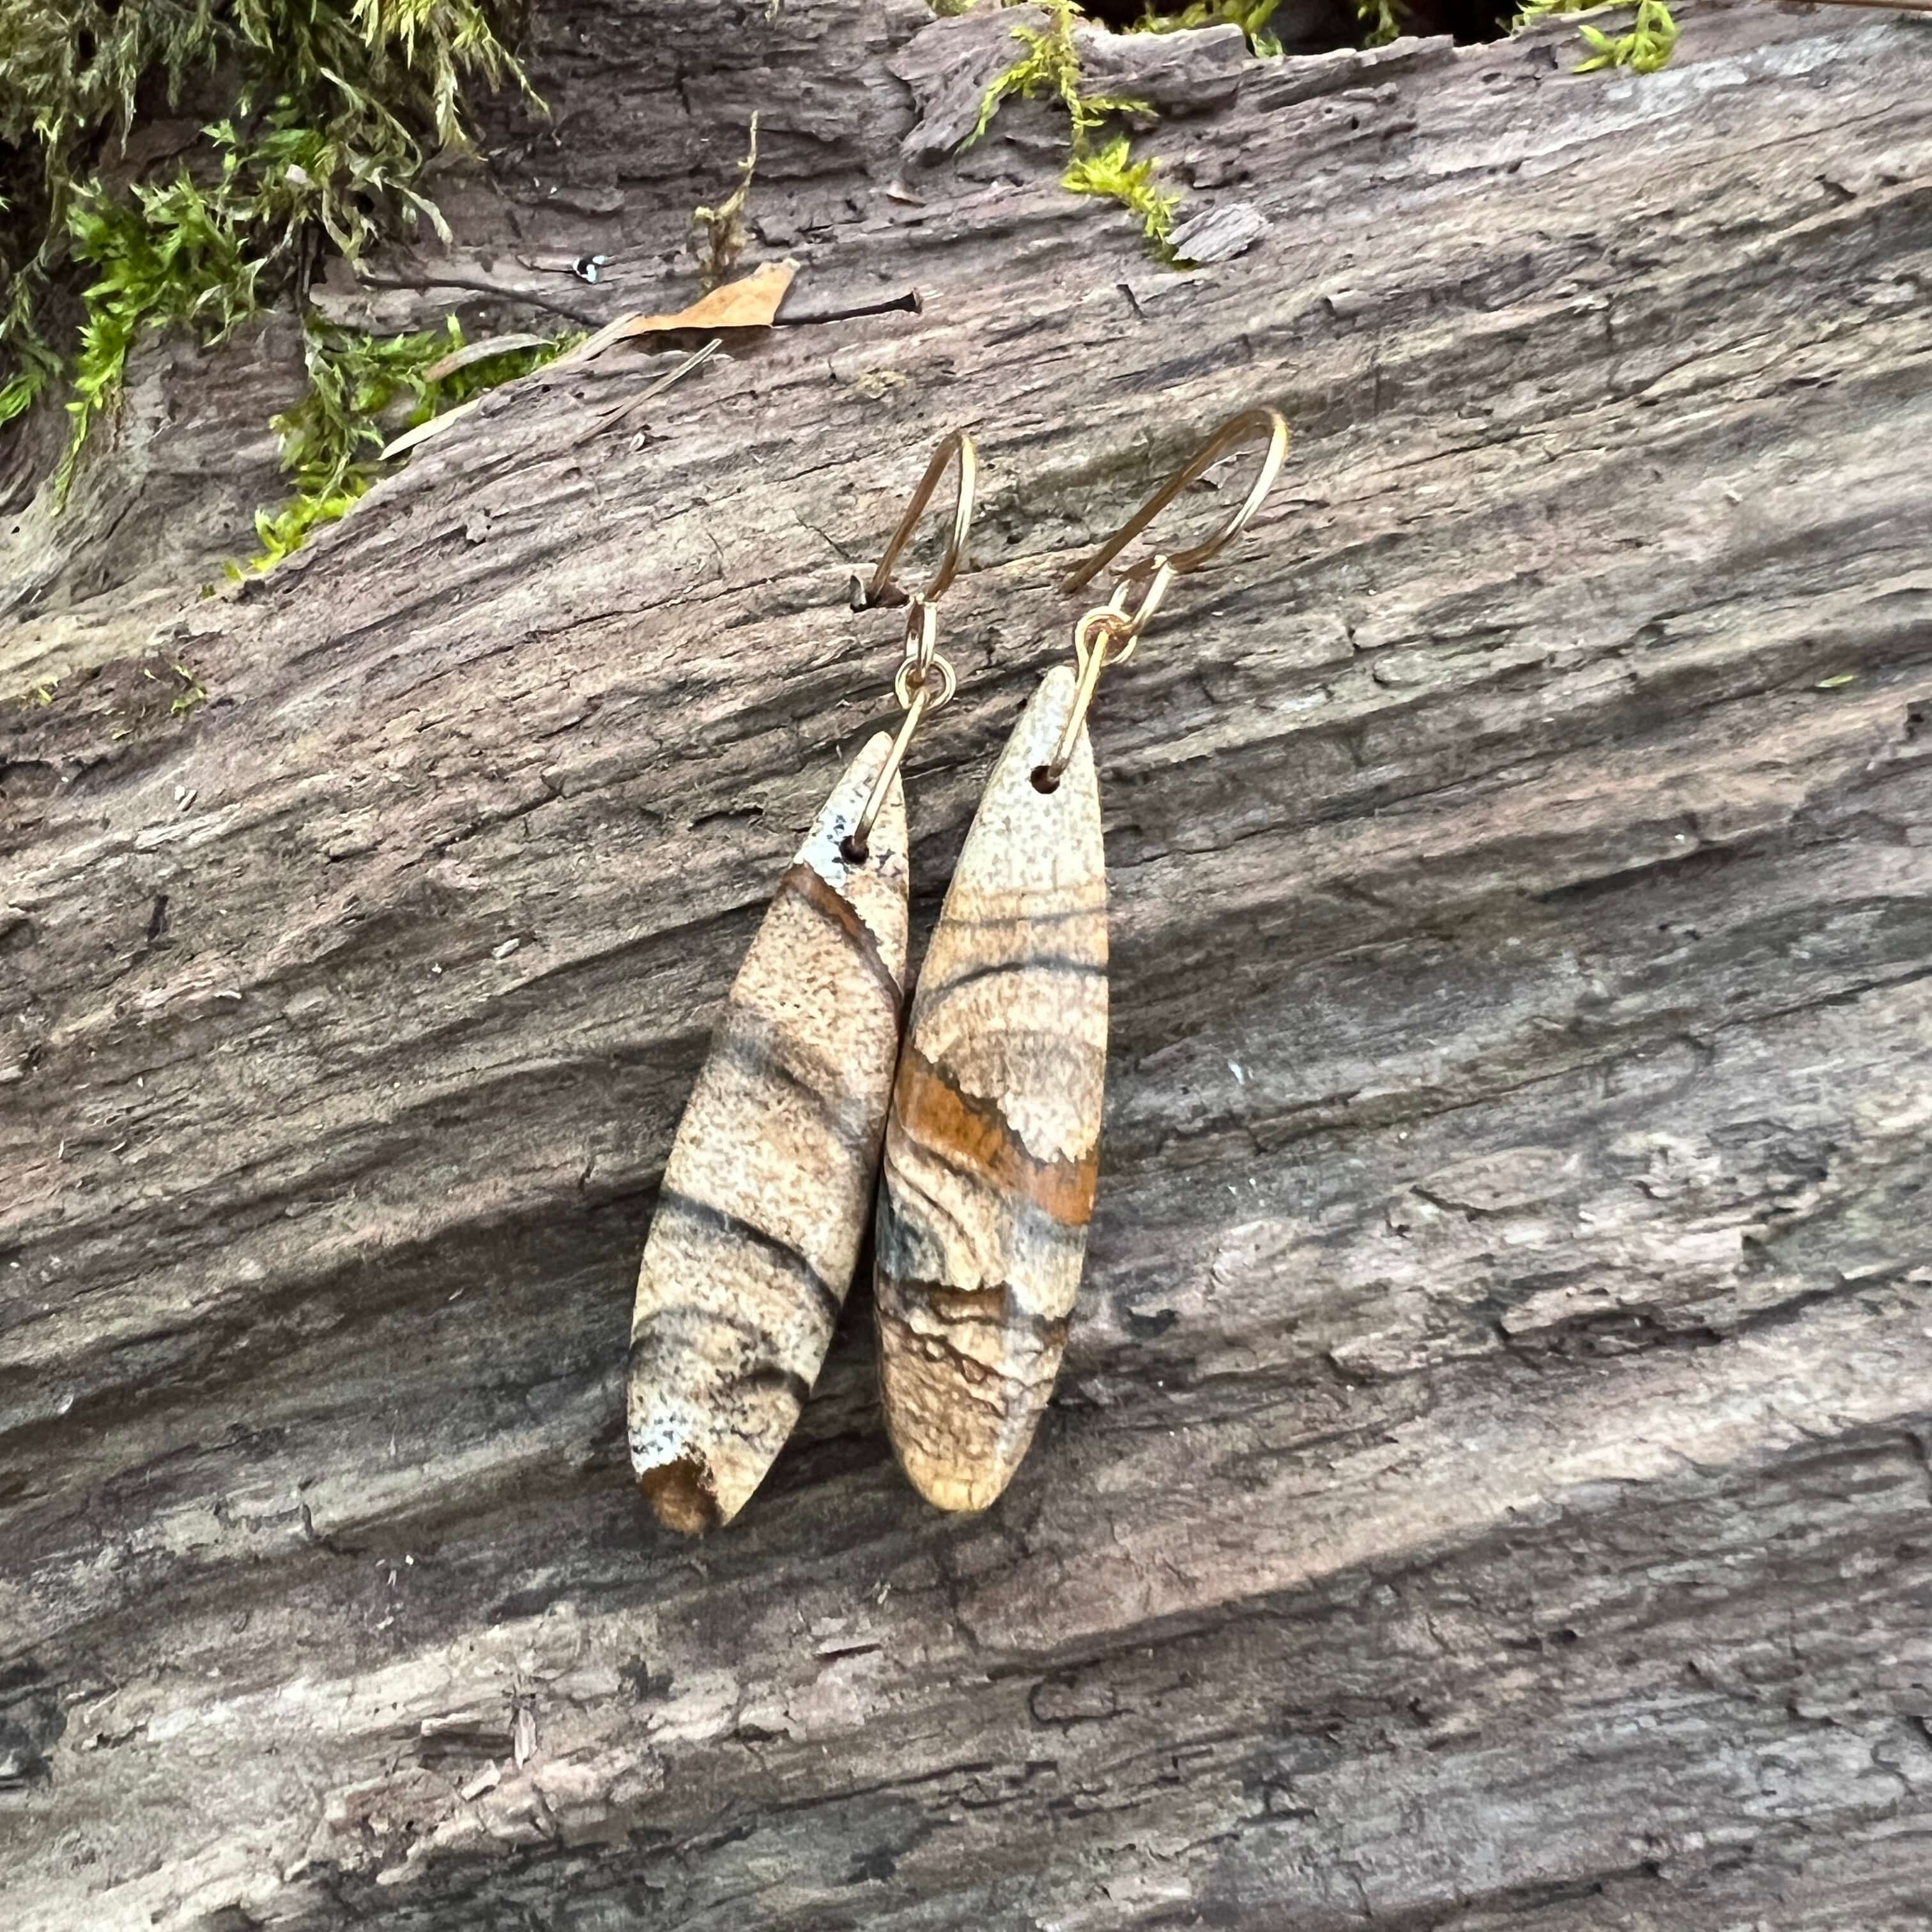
(1120, 633)
(856, 847)
(1048, 778)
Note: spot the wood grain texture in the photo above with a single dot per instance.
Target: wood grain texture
(770, 1179)
(1487, 1489)
(992, 1144)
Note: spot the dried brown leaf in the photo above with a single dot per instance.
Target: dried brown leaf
(752, 302)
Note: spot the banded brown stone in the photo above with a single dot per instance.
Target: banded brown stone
(990, 1151)
(764, 1202)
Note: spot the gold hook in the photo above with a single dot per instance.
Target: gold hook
(925, 681)
(1231, 435)
(957, 444)
(1119, 629)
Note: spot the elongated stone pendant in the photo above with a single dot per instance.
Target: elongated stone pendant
(991, 1158)
(765, 1194)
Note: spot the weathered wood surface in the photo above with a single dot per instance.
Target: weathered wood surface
(1488, 1484)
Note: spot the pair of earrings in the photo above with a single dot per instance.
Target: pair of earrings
(989, 1113)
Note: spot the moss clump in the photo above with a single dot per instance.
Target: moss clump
(1050, 67)
(1251, 16)
(336, 107)
(1111, 171)
(170, 254)
(1650, 41)
(353, 381)
(1382, 21)
(34, 365)
(358, 385)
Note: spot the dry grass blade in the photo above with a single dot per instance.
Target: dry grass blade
(427, 432)
(723, 227)
(471, 353)
(617, 418)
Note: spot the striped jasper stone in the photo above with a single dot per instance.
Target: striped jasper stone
(991, 1148)
(765, 1195)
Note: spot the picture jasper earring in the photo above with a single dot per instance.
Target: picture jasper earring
(763, 1202)
(991, 1147)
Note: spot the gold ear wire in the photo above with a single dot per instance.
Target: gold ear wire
(959, 445)
(1232, 434)
(1108, 634)
(925, 681)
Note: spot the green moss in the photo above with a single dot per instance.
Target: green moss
(337, 107)
(363, 390)
(34, 365)
(1382, 21)
(1651, 42)
(1648, 45)
(176, 254)
(20, 395)
(190, 698)
(1110, 171)
(1050, 66)
(327, 437)
(171, 254)
(1251, 16)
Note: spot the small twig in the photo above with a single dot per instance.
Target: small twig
(422, 285)
(307, 251)
(1885, 6)
(910, 303)
(585, 268)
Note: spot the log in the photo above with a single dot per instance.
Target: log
(1489, 1485)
